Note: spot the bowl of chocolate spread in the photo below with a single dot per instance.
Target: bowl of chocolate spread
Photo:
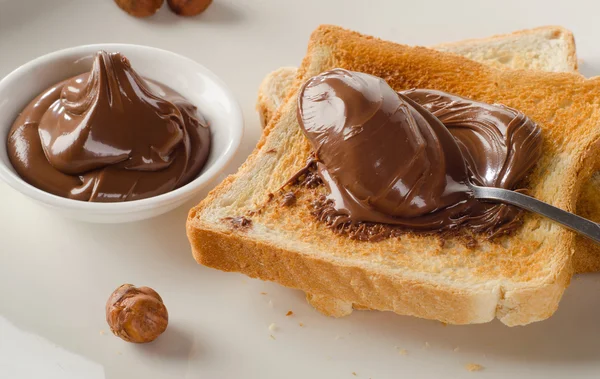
(115, 133)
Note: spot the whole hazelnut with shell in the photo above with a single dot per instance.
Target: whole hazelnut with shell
(188, 7)
(140, 8)
(136, 314)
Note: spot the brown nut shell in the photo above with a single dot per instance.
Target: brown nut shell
(140, 8)
(188, 7)
(136, 314)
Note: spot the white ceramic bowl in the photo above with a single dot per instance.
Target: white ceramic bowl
(203, 88)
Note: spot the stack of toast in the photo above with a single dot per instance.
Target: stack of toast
(242, 226)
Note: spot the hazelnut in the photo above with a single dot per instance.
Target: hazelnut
(140, 8)
(188, 7)
(136, 314)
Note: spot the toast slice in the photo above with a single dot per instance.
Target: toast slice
(518, 279)
(547, 48)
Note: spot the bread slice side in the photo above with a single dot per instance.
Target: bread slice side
(547, 48)
(519, 279)
(272, 92)
(587, 252)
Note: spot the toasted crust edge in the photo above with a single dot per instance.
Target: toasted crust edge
(261, 260)
(566, 33)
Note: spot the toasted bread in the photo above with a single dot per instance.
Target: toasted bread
(518, 279)
(547, 48)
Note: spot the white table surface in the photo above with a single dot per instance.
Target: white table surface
(56, 274)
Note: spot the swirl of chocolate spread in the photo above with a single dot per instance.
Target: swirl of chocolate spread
(405, 158)
(109, 135)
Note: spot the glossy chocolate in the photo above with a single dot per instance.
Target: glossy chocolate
(405, 158)
(109, 135)
(499, 144)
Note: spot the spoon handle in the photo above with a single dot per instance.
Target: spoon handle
(578, 224)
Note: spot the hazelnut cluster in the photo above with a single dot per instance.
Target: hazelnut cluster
(145, 8)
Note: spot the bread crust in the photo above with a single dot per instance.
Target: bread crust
(272, 91)
(550, 32)
(518, 283)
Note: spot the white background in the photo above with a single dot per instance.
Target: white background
(56, 274)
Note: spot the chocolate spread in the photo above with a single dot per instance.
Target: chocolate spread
(499, 144)
(109, 135)
(239, 222)
(405, 159)
(288, 199)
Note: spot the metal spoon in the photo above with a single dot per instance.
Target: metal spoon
(577, 224)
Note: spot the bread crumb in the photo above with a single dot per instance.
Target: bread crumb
(473, 367)
(301, 324)
(263, 293)
(456, 348)
(271, 336)
(403, 352)
(353, 373)
(290, 313)
(273, 327)
(102, 332)
(444, 323)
